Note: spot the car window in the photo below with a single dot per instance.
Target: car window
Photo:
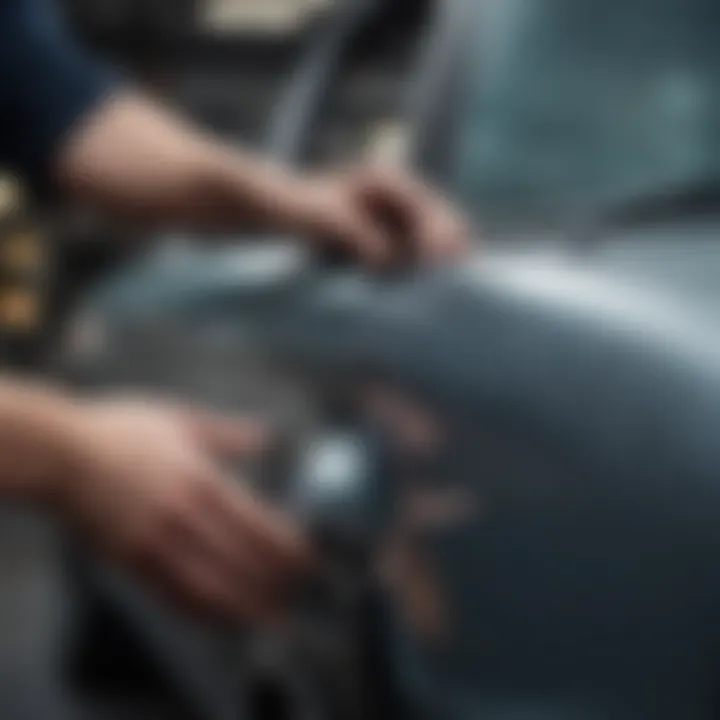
(573, 104)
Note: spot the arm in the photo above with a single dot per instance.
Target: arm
(38, 441)
(74, 126)
(143, 481)
(136, 159)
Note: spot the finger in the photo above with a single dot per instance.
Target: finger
(356, 232)
(442, 233)
(436, 230)
(442, 230)
(242, 555)
(224, 435)
(204, 533)
(186, 580)
(439, 231)
(370, 242)
(273, 537)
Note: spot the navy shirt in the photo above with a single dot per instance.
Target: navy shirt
(47, 84)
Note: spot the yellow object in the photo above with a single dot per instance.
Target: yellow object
(19, 310)
(21, 257)
(21, 252)
(10, 196)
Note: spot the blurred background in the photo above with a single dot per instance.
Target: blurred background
(569, 126)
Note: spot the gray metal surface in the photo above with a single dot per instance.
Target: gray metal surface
(602, 371)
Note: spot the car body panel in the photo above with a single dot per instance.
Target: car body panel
(581, 386)
(592, 402)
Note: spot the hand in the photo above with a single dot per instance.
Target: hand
(149, 496)
(381, 215)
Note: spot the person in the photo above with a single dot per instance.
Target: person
(143, 479)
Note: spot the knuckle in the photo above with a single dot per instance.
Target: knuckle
(207, 593)
(174, 512)
(195, 491)
(213, 596)
(138, 547)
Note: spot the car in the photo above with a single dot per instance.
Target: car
(554, 534)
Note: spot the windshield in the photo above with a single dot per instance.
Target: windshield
(573, 105)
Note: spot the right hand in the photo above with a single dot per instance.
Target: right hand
(148, 493)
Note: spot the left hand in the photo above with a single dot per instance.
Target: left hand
(382, 216)
(145, 482)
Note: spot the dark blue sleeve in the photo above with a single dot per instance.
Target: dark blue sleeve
(47, 84)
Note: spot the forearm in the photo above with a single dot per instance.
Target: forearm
(39, 439)
(139, 161)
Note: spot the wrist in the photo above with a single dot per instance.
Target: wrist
(69, 443)
(40, 443)
(286, 207)
(269, 193)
